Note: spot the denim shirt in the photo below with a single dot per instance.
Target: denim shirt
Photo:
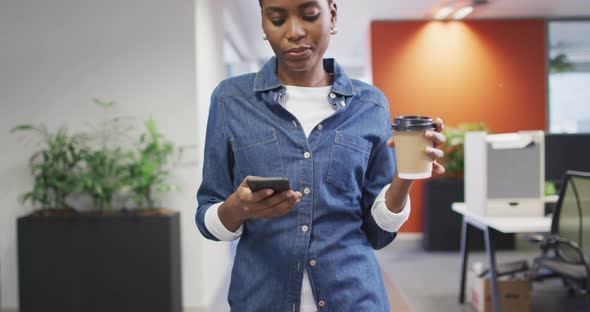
(340, 169)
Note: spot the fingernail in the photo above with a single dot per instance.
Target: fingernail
(290, 194)
(297, 201)
(269, 192)
(429, 149)
(429, 134)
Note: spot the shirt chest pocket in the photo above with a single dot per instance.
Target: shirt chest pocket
(257, 154)
(348, 162)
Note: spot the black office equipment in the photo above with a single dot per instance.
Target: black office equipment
(566, 151)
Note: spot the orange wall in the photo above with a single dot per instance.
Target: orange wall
(490, 71)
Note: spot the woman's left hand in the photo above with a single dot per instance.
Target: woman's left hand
(438, 139)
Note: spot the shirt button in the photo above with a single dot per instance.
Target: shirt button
(306, 155)
(304, 228)
(343, 103)
(322, 303)
(312, 262)
(306, 191)
(332, 95)
(320, 127)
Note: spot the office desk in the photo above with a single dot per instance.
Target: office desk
(502, 224)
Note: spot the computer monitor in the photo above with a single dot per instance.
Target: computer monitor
(566, 152)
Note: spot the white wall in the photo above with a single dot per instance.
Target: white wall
(215, 256)
(56, 56)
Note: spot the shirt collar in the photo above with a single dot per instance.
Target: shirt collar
(267, 79)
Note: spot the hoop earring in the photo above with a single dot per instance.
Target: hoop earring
(333, 30)
(264, 36)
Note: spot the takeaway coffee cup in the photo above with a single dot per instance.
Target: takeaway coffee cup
(410, 146)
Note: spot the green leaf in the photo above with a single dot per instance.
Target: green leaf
(550, 188)
(21, 128)
(454, 145)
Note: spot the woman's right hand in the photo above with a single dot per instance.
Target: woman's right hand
(244, 204)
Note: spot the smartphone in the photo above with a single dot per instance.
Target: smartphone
(277, 184)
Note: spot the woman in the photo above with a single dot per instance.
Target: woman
(309, 248)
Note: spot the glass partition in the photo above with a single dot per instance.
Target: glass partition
(569, 76)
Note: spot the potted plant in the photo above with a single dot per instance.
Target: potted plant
(55, 169)
(114, 255)
(454, 146)
(442, 226)
(147, 169)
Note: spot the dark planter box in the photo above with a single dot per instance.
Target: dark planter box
(442, 226)
(99, 263)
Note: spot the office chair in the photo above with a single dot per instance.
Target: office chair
(565, 252)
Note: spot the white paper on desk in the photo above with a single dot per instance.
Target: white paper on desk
(509, 140)
(477, 267)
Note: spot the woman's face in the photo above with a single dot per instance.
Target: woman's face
(298, 30)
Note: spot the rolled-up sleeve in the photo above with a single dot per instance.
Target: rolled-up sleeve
(385, 218)
(216, 227)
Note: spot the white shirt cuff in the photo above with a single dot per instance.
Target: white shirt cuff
(385, 218)
(216, 228)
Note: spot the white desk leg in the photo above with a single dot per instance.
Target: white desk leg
(492, 269)
(464, 256)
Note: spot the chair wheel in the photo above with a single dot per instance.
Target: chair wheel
(571, 292)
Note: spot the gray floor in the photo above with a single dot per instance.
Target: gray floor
(429, 281)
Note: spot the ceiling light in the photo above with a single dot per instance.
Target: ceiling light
(443, 12)
(464, 11)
